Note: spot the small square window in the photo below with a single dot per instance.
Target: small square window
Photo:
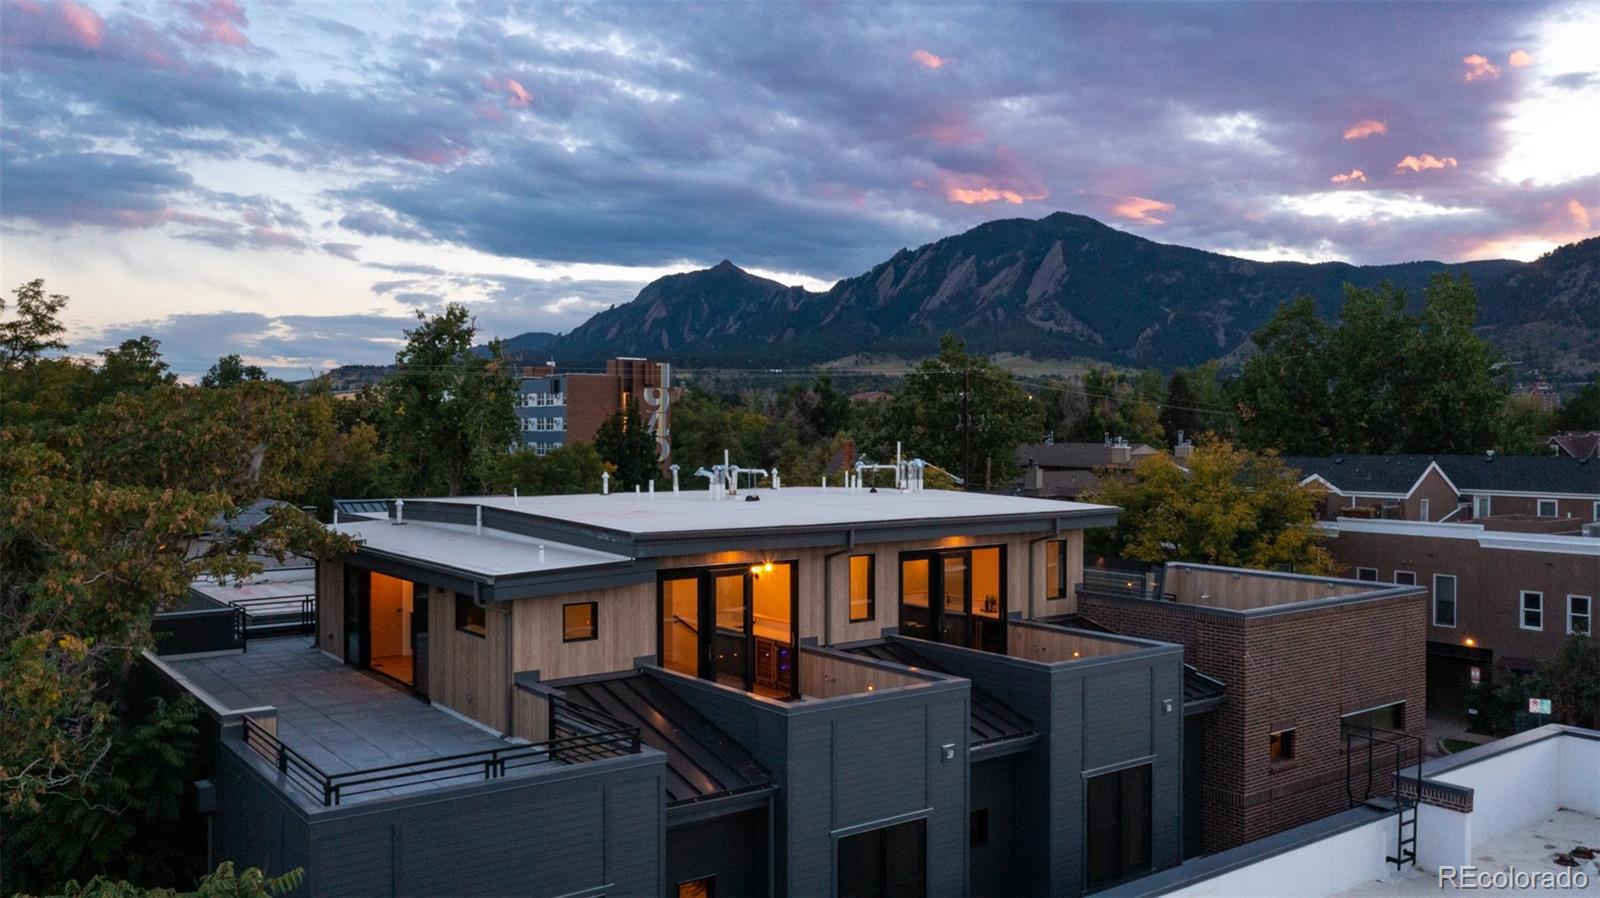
(1280, 745)
(1369, 574)
(470, 617)
(579, 622)
(1405, 578)
(1532, 610)
(978, 828)
(1547, 508)
(863, 592)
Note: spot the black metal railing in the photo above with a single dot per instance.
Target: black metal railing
(276, 615)
(331, 789)
(1126, 584)
(1387, 753)
(570, 724)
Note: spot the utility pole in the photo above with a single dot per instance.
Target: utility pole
(966, 429)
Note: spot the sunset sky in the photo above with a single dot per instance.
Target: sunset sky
(289, 180)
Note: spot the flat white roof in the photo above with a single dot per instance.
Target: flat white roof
(666, 513)
(491, 553)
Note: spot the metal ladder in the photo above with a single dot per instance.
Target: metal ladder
(1389, 749)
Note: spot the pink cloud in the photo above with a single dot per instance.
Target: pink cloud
(1354, 174)
(1425, 162)
(926, 60)
(84, 25)
(1365, 128)
(519, 94)
(1580, 214)
(1520, 59)
(1138, 208)
(218, 22)
(977, 190)
(1479, 66)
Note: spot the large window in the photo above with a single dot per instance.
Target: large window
(470, 616)
(734, 625)
(1532, 610)
(1444, 600)
(1055, 569)
(1580, 610)
(1117, 827)
(888, 861)
(955, 596)
(863, 592)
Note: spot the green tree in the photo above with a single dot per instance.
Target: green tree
(449, 413)
(1581, 411)
(1231, 507)
(1524, 425)
(573, 468)
(815, 412)
(1282, 391)
(34, 328)
(963, 413)
(1455, 399)
(1119, 405)
(628, 447)
(134, 364)
(221, 883)
(230, 371)
(1571, 681)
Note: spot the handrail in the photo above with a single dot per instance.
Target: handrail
(331, 789)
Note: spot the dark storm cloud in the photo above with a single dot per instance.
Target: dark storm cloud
(809, 138)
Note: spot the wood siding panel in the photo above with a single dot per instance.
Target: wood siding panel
(467, 673)
(330, 607)
(627, 631)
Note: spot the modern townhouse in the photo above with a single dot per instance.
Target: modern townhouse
(1506, 547)
(775, 691)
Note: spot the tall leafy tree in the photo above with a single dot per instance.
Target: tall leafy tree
(1282, 390)
(135, 364)
(230, 371)
(34, 327)
(1581, 411)
(573, 468)
(1228, 506)
(449, 412)
(1456, 398)
(628, 447)
(958, 406)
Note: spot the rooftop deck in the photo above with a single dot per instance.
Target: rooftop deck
(1237, 591)
(339, 718)
(1526, 849)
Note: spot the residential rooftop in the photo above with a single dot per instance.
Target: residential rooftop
(462, 547)
(1397, 474)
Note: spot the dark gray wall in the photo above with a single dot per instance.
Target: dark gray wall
(847, 765)
(595, 827)
(994, 864)
(1093, 715)
(732, 848)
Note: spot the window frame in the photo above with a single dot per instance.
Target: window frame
(709, 879)
(594, 621)
(1286, 738)
(1396, 577)
(1344, 719)
(1487, 503)
(1522, 610)
(466, 609)
(1424, 512)
(1059, 589)
(872, 588)
(1539, 505)
(1455, 601)
(1367, 570)
(1588, 614)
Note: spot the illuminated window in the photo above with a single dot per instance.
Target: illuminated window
(704, 887)
(579, 622)
(1280, 745)
(1055, 569)
(862, 590)
(470, 616)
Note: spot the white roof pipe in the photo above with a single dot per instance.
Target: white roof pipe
(399, 511)
(605, 483)
(674, 470)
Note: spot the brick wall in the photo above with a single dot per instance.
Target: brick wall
(1300, 671)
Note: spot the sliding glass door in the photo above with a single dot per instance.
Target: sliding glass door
(955, 596)
(734, 625)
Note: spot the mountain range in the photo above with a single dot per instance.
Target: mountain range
(1064, 287)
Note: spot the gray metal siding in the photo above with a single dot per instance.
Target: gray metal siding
(994, 865)
(600, 826)
(731, 848)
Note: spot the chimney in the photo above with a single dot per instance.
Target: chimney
(1183, 450)
(1035, 476)
(1121, 452)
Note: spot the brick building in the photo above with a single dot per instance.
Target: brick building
(556, 407)
(1302, 658)
(1498, 542)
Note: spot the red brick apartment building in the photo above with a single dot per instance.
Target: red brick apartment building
(1303, 660)
(1507, 548)
(556, 407)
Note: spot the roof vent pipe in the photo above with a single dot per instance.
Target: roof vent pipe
(605, 483)
(477, 527)
(899, 472)
(777, 484)
(652, 487)
(399, 511)
(541, 554)
(515, 499)
(674, 470)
